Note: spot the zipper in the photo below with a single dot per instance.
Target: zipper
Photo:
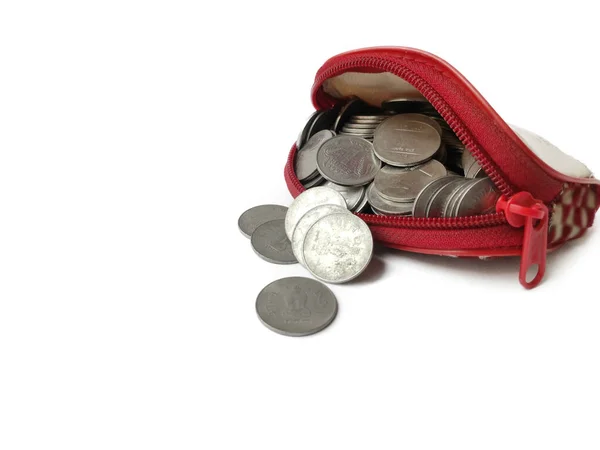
(516, 210)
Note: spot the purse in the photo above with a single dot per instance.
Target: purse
(547, 197)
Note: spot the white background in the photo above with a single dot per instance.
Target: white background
(133, 135)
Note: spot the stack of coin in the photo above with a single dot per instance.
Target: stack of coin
(265, 226)
(334, 245)
(392, 153)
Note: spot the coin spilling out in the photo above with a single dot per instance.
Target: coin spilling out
(406, 158)
(308, 200)
(252, 218)
(306, 222)
(296, 306)
(338, 248)
(270, 243)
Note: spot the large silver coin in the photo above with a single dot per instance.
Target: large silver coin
(406, 141)
(306, 201)
(271, 244)
(252, 218)
(338, 248)
(423, 199)
(384, 206)
(347, 160)
(306, 157)
(296, 306)
(352, 194)
(403, 185)
(306, 222)
(480, 198)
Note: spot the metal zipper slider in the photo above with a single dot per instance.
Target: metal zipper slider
(522, 210)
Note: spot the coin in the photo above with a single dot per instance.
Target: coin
(385, 206)
(406, 141)
(316, 181)
(352, 194)
(306, 201)
(296, 306)
(271, 244)
(480, 197)
(306, 157)
(437, 202)
(403, 185)
(253, 217)
(425, 196)
(347, 160)
(338, 248)
(306, 222)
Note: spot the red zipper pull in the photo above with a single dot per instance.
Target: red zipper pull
(523, 210)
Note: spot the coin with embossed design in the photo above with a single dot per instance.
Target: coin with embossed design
(337, 248)
(347, 160)
(296, 306)
(270, 242)
(306, 222)
(306, 201)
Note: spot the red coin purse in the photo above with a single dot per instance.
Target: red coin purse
(547, 196)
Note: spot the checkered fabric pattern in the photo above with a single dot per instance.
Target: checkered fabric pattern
(573, 212)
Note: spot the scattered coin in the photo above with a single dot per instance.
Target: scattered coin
(338, 248)
(296, 306)
(347, 160)
(306, 201)
(253, 217)
(306, 222)
(271, 244)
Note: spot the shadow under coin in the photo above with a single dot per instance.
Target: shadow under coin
(373, 272)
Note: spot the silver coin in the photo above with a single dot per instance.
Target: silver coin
(271, 244)
(296, 306)
(306, 157)
(306, 222)
(347, 160)
(437, 202)
(403, 185)
(338, 248)
(316, 181)
(362, 206)
(428, 120)
(352, 194)
(451, 197)
(424, 197)
(405, 141)
(253, 217)
(306, 201)
(384, 206)
(479, 198)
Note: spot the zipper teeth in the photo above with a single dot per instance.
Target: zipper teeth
(447, 114)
